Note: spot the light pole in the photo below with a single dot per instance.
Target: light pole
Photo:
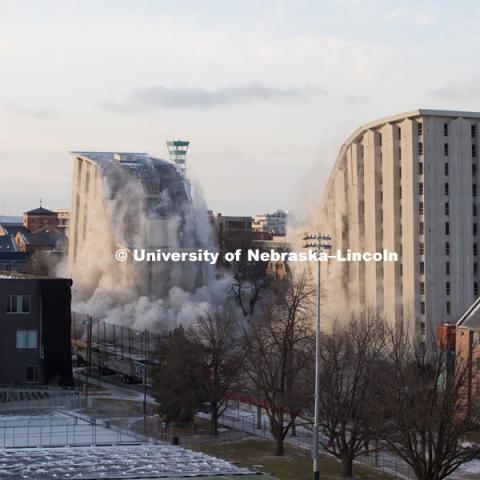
(145, 360)
(319, 242)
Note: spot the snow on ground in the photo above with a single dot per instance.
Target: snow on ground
(111, 462)
(82, 451)
(471, 467)
(54, 428)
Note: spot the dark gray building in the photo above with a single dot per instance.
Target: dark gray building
(35, 320)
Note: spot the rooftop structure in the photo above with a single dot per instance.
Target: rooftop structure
(45, 238)
(178, 154)
(11, 229)
(11, 257)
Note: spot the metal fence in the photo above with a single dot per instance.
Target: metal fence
(116, 340)
(22, 428)
(379, 460)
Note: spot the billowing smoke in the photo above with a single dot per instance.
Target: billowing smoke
(146, 205)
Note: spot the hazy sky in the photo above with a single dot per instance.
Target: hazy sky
(266, 91)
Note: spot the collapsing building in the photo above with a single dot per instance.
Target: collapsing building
(131, 201)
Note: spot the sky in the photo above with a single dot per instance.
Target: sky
(266, 91)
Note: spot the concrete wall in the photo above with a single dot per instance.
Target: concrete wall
(393, 168)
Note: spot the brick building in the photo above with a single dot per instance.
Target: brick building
(39, 217)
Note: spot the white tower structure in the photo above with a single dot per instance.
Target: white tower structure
(178, 154)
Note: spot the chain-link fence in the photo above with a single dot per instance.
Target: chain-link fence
(254, 424)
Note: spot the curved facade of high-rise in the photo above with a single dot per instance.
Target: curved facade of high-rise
(407, 183)
(128, 201)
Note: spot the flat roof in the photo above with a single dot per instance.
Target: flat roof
(27, 276)
(118, 462)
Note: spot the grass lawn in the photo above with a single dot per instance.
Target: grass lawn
(257, 454)
(245, 450)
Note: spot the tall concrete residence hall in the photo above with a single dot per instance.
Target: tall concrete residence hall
(409, 184)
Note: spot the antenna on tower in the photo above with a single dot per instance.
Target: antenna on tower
(178, 154)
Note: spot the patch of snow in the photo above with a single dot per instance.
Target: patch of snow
(111, 462)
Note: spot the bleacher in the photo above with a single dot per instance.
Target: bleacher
(13, 394)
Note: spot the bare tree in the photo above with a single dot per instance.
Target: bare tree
(177, 386)
(250, 281)
(423, 413)
(216, 336)
(279, 348)
(348, 359)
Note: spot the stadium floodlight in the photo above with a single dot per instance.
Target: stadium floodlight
(319, 242)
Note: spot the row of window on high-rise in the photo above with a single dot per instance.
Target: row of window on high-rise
(422, 308)
(473, 130)
(445, 150)
(447, 253)
(447, 288)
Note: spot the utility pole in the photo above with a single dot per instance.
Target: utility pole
(89, 358)
(319, 242)
(145, 359)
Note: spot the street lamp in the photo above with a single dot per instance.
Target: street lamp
(319, 242)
